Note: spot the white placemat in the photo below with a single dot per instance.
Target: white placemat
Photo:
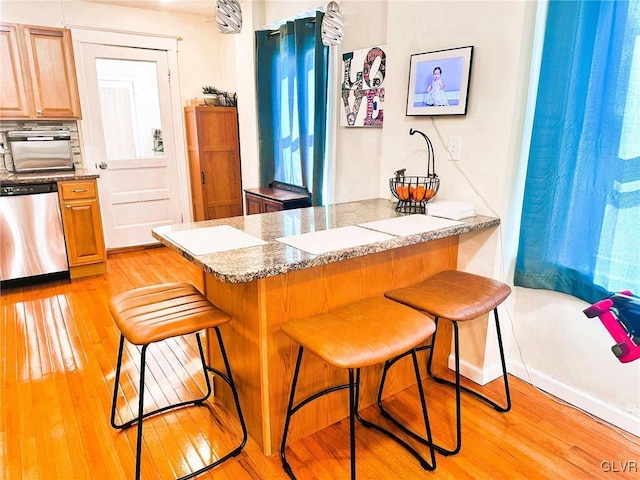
(201, 241)
(450, 209)
(334, 239)
(410, 225)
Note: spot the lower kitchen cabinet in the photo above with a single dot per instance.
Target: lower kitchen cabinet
(82, 224)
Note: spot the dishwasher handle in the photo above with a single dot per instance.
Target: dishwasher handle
(28, 189)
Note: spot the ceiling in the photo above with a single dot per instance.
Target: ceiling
(193, 7)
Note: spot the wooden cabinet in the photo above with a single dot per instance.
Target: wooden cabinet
(259, 204)
(82, 224)
(214, 162)
(40, 80)
(14, 102)
(278, 196)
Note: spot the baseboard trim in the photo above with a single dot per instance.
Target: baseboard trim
(134, 248)
(481, 376)
(590, 404)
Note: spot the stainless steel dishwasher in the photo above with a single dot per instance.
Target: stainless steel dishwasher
(31, 235)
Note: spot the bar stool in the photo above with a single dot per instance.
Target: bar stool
(364, 333)
(151, 314)
(458, 297)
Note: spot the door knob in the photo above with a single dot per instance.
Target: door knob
(102, 165)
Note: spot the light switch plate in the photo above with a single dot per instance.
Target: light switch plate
(455, 143)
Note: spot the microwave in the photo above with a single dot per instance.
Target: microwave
(40, 151)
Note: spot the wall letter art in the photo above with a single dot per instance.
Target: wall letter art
(363, 87)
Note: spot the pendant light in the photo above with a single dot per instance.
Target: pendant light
(228, 16)
(332, 30)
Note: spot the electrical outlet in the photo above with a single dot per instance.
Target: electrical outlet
(454, 146)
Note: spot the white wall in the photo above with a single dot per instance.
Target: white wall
(365, 26)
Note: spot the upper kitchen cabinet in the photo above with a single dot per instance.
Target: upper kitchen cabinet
(214, 162)
(14, 102)
(42, 76)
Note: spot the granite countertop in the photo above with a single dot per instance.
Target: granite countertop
(274, 257)
(11, 178)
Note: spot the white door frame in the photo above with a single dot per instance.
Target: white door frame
(154, 42)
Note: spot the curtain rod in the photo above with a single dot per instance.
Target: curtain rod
(277, 32)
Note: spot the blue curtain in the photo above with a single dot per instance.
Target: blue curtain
(291, 83)
(580, 230)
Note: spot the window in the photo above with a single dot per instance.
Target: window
(291, 79)
(581, 213)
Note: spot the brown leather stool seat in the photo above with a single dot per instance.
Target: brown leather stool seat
(368, 332)
(158, 312)
(458, 297)
(151, 314)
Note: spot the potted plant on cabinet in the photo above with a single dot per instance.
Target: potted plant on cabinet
(211, 95)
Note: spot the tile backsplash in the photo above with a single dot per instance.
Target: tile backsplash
(9, 125)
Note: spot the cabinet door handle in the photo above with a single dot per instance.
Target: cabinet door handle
(81, 190)
(38, 112)
(202, 176)
(68, 206)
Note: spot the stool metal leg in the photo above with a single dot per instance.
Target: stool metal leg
(354, 394)
(460, 387)
(290, 411)
(427, 440)
(117, 384)
(227, 377)
(205, 371)
(131, 422)
(141, 415)
(143, 364)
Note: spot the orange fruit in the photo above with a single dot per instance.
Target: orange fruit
(402, 192)
(430, 193)
(417, 194)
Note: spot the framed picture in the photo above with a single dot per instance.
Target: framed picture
(439, 82)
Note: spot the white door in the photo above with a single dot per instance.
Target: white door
(127, 130)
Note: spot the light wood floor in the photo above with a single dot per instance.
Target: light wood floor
(59, 349)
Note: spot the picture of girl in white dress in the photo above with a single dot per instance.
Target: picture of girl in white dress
(436, 95)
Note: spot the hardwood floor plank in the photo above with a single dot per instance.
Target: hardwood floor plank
(59, 347)
(11, 416)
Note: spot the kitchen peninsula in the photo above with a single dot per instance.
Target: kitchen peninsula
(362, 249)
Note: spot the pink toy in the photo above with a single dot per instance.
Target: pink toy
(620, 314)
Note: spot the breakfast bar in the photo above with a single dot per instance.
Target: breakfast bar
(269, 268)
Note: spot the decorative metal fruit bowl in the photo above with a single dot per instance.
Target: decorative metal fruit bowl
(413, 192)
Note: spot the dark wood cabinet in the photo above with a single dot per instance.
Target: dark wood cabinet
(214, 162)
(278, 196)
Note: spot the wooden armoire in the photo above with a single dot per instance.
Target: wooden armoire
(214, 162)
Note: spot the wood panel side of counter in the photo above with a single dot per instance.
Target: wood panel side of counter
(244, 346)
